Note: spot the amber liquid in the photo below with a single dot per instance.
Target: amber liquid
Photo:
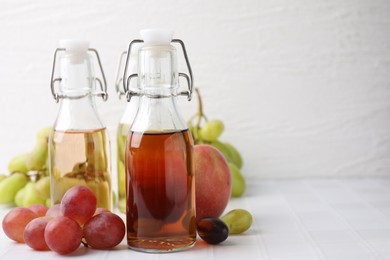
(81, 158)
(160, 191)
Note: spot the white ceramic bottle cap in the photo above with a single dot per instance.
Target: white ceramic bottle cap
(71, 45)
(156, 36)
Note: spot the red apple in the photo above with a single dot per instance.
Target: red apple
(213, 182)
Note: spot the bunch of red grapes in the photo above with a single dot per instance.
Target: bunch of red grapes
(65, 226)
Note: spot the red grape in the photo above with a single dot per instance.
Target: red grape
(15, 222)
(63, 235)
(39, 209)
(79, 203)
(104, 231)
(212, 230)
(34, 233)
(54, 211)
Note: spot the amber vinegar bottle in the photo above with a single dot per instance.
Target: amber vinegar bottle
(160, 184)
(79, 146)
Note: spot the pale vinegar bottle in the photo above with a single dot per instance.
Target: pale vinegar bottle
(79, 145)
(124, 125)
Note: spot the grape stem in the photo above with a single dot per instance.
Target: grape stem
(200, 108)
(85, 244)
(198, 116)
(36, 175)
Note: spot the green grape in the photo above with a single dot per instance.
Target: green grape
(114, 197)
(238, 221)
(121, 140)
(64, 184)
(38, 156)
(103, 193)
(46, 172)
(43, 187)
(44, 133)
(211, 130)
(10, 186)
(121, 179)
(234, 154)
(31, 195)
(47, 167)
(79, 168)
(18, 163)
(19, 197)
(48, 202)
(229, 152)
(122, 205)
(238, 181)
(121, 136)
(3, 177)
(224, 150)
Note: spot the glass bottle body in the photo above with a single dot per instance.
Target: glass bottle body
(160, 184)
(80, 157)
(79, 146)
(160, 181)
(121, 135)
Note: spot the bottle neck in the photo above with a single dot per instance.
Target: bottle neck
(158, 114)
(157, 70)
(77, 108)
(157, 83)
(77, 75)
(78, 115)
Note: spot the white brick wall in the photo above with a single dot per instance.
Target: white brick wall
(303, 86)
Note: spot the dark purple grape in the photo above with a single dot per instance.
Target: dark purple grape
(212, 230)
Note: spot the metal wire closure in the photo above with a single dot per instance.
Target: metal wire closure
(103, 85)
(190, 79)
(118, 78)
(126, 80)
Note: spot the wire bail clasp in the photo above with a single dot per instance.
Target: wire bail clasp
(118, 78)
(102, 82)
(126, 79)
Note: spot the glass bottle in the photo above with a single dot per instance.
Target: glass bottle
(79, 146)
(160, 184)
(124, 125)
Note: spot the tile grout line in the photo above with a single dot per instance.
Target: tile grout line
(364, 202)
(306, 234)
(258, 237)
(347, 223)
(383, 215)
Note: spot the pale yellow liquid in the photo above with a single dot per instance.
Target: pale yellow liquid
(121, 135)
(81, 158)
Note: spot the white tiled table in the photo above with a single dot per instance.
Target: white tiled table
(334, 219)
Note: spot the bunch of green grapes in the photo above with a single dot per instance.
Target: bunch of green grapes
(206, 131)
(28, 181)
